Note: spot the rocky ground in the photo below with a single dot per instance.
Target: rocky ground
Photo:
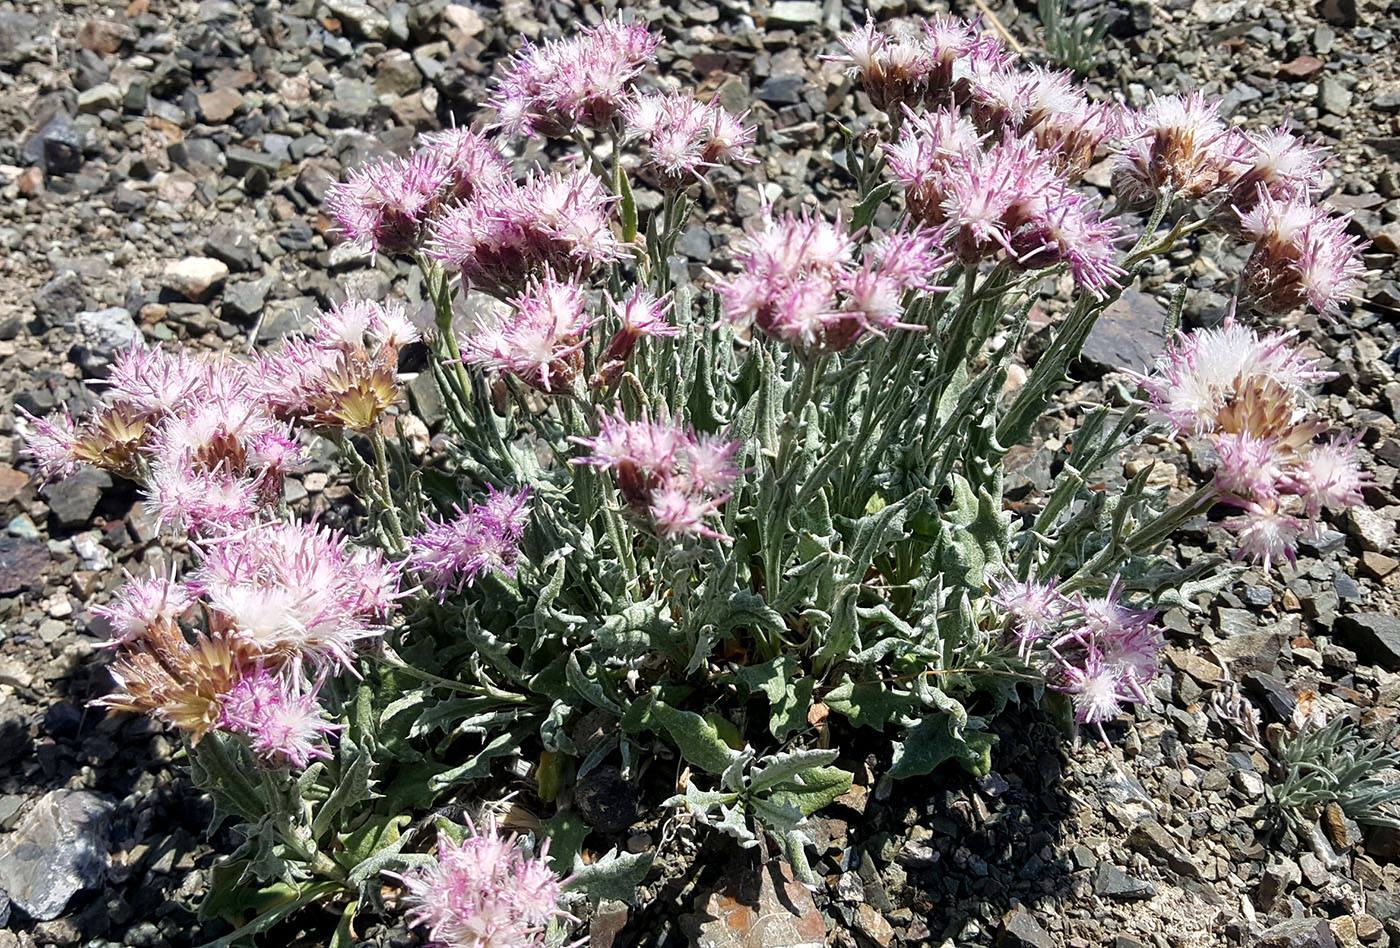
(161, 169)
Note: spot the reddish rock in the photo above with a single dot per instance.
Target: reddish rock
(1301, 68)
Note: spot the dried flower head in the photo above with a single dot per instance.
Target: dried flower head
(1302, 255)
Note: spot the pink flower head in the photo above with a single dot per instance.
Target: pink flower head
(1276, 160)
(1034, 608)
(893, 71)
(1266, 534)
(1096, 688)
(931, 145)
(799, 282)
(352, 324)
(484, 538)
(1074, 133)
(1301, 255)
(1202, 373)
(1105, 617)
(1250, 467)
(684, 137)
(581, 82)
(385, 205)
(471, 160)
(485, 892)
(49, 442)
(508, 235)
(154, 381)
(201, 500)
(1330, 476)
(641, 315)
(996, 192)
(1068, 231)
(285, 727)
(539, 341)
(295, 591)
(144, 603)
(670, 476)
(1175, 144)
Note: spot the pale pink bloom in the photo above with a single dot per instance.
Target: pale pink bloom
(284, 727)
(199, 500)
(1250, 467)
(1199, 372)
(471, 160)
(538, 342)
(1176, 144)
(1276, 161)
(677, 514)
(1096, 689)
(49, 443)
(485, 892)
(156, 382)
(385, 205)
(1302, 255)
(1330, 476)
(143, 603)
(484, 538)
(294, 590)
(1266, 534)
(1034, 608)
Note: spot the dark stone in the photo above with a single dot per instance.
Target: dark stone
(1278, 700)
(244, 299)
(1110, 882)
(606, 800)
(58, 851)
(1373, 636)
(1338, 12)
(57, 147)
(233, 247)
(128, 202)
(22, 564)
(73, 499)
(1019, 929)
(242, 160)
(1128, 335)
(1299, 933)
(60, 299)
(782, 90)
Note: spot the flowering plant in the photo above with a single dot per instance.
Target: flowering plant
(732, 526)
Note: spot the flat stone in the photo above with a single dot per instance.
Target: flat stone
(1110, 882)
(234, 247)
(1373, 530)
(11, 483)
(1378, 565)
(463, 19)
(241, 160)
(73, 499)
(102, 96)
(759, 907)
(102, 333)
(1373, 636)
(22, 564)
(220, 105)
(1019, 929)
(60, 299)
(361, 18)
(1299, 933)
(1333, 97)
(872, 924)
(59, 850)
(1127, 335)
(794, 13)
(1252, 651)
(1301, 68)
(196, 278)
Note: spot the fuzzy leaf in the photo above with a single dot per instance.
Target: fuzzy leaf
(934, 741)
(699, 741)
(565, 831)
(614, 877)
(872, 705)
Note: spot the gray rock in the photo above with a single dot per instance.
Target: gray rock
(234, 247)
(244, 300)
(361, 18)
(73, 499)
(782, 90)
(102, 333)
(1128, 335)
(242, 160)
(60, 299)
(57, 147)
(22, 564)
(1373, 530)
(353, 100)
(1019, 929)
(1299, 933)
(1110, 882)
(1333, 97)
(794, 13)
(396, 74)
(102, 96)
(58, 851)
(1373, 636)
(1279, 876)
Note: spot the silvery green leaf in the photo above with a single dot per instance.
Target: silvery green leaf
(776, 768)
(615, 876)
(698, 740)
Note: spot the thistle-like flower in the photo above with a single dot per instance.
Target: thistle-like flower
(538, 341)
(641, 315)
(1177, 145)
(181, 683)
(1302, 255)
(145, 604)
(385, 205)
(798, 281)
(484, 538)
(508, 235)
(471, 161)
(581, 82)
(1034, 609)
(285, 727)
(49, 442)
(485, 892)
(1274, 162)
(685, 137)
(671, 478)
